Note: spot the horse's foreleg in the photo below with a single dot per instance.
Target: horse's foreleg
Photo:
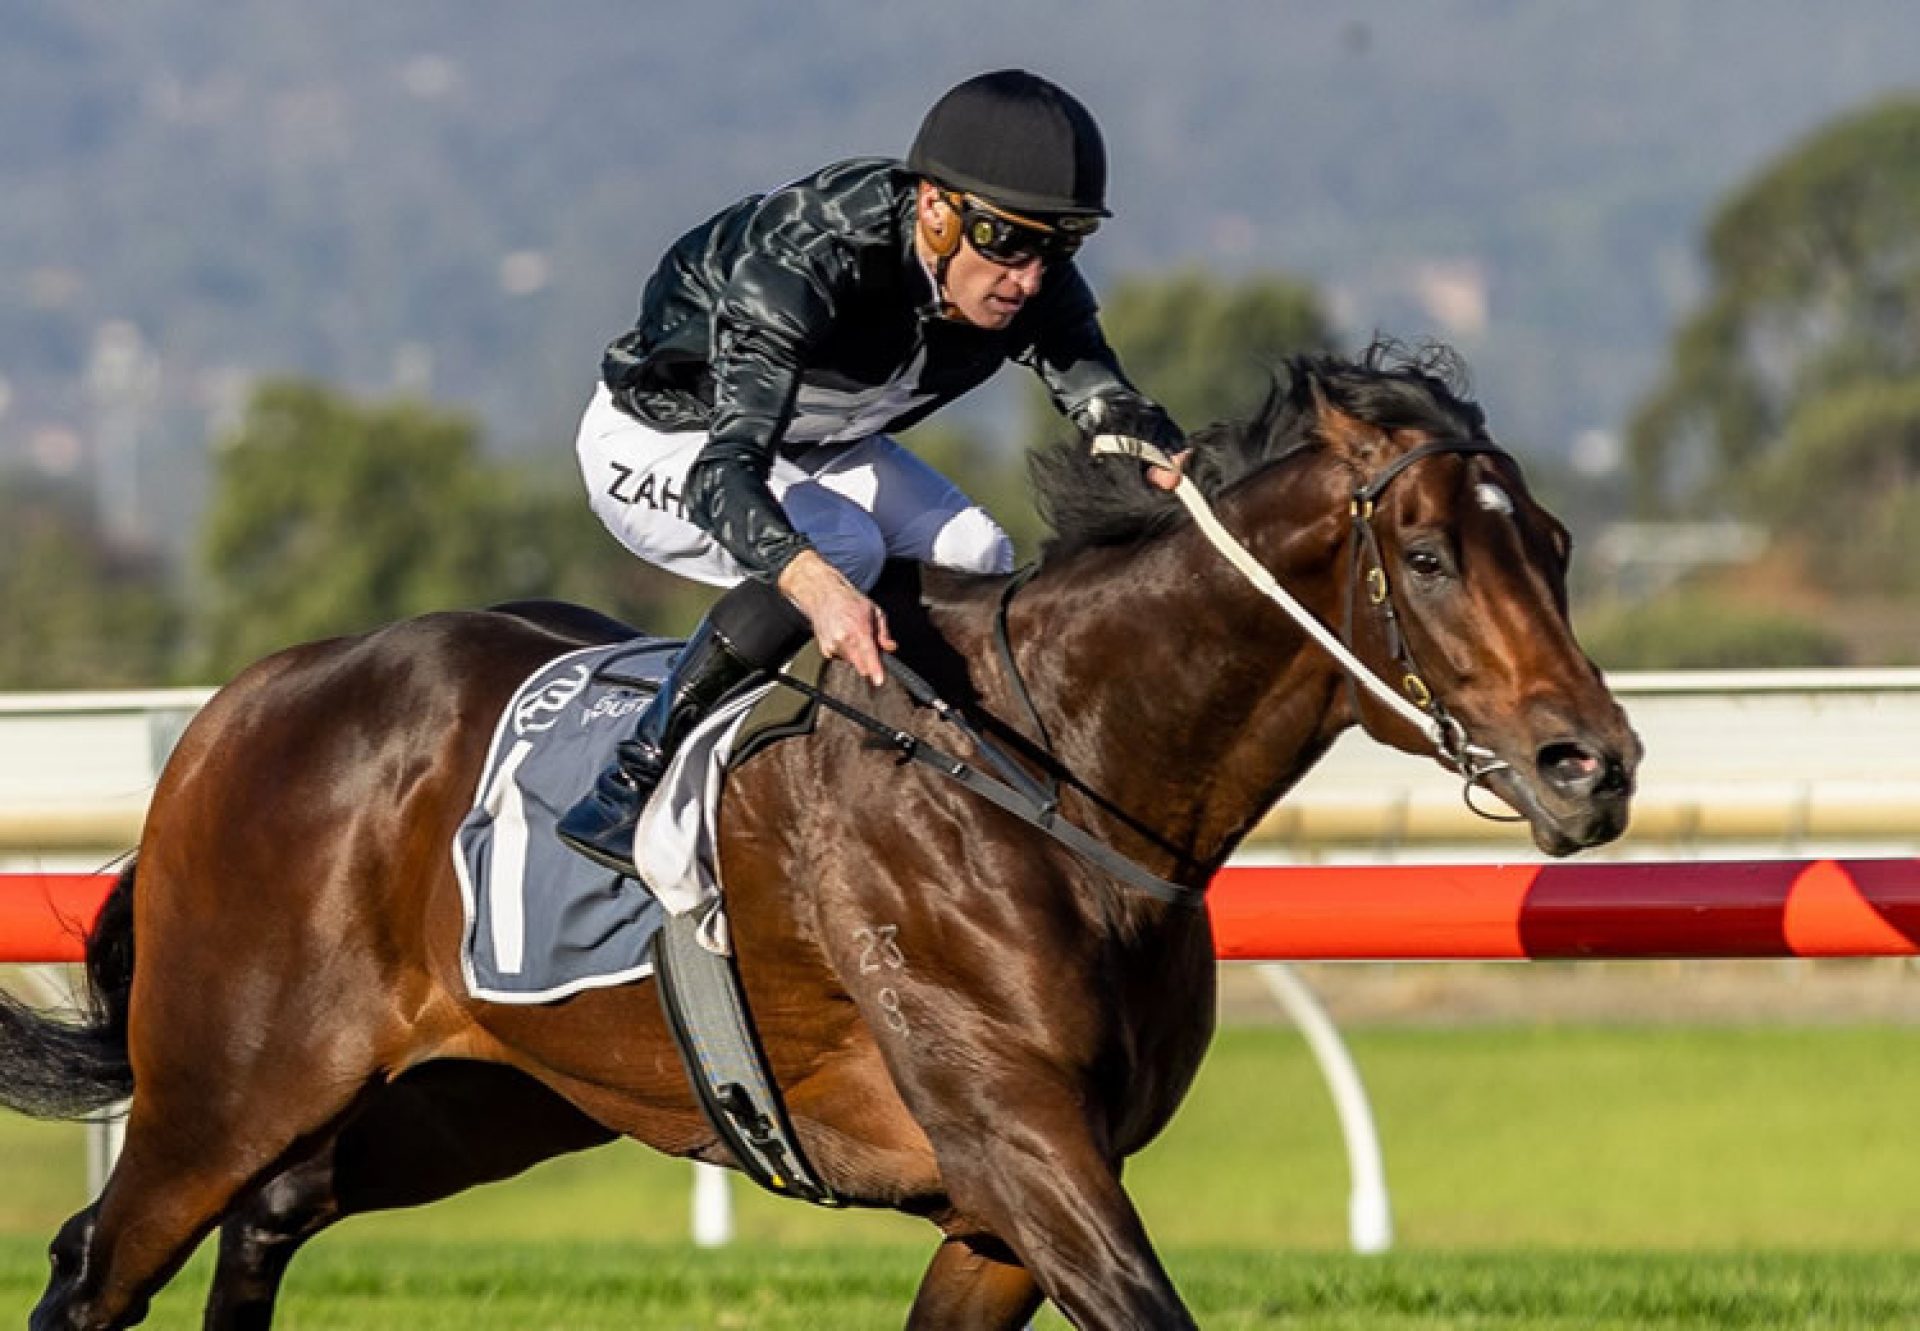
(1017, 1130)
(1032, 1174)
(1021, 1155)
(971, 1287)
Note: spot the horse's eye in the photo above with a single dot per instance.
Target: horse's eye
(1426, 563)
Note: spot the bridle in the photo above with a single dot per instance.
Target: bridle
(1414, 702)
(1473, 762)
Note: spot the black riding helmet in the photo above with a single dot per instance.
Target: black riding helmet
(1015, 140)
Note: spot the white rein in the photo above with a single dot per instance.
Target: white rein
(1448, 739)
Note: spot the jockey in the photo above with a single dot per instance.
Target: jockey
(740, 432)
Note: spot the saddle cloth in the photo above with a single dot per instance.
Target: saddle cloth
(541, 921)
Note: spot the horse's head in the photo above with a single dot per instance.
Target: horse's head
(1454, 592)
(1373, 493)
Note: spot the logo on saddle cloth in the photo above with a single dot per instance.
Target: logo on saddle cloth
(612, 705)
(542, 708)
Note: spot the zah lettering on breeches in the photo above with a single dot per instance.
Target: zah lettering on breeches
(880, 954)
(634, 487)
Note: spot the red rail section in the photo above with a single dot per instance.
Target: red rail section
(1456, 912)
(1644, 909)
(44, 916)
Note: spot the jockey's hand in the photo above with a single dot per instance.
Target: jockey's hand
(1133, 417)
(1168, 478)
(848, 626)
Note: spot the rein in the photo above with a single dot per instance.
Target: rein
(1014, 791)
(1474, 763)
(1003, 645)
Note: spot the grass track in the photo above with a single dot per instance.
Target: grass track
(561, 1287)
(1542, 1177)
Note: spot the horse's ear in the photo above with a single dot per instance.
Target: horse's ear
(1342, 432)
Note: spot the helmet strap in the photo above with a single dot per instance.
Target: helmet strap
(940, 265)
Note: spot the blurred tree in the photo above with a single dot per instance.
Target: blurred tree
(1814, 280)
(1206, 348)
(1844, 486)
(330, 516)
(1704, 629)
(80, 613)
(1203, 347)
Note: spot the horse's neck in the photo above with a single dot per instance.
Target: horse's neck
(1177, 694)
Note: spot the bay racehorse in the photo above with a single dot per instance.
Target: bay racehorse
(281, 993)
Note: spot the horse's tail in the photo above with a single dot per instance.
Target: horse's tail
(54, 1068)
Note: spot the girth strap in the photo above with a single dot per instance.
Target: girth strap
(725, 1062)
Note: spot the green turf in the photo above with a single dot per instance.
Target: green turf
(1494, 1138)
(1682, 1146)
(539, 1286)
(1576, 1137)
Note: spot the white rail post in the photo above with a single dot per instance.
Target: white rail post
(712, 1206)
(106, 1135)
(1369, 1210)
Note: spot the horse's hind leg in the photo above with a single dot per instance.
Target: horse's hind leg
(439, 1130)
(108, 1259)
(68, 1256)
(225, 1094)
(974, 1285)
(184, 1162)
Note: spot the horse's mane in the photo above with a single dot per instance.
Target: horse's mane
(1089, 501)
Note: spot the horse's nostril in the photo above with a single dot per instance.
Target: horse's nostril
(1580, 771)
(1573, 768)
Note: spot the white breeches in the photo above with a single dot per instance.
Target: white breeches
(860, 503)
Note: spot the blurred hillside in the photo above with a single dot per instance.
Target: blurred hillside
(462, 199)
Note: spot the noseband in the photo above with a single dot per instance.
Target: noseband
(1474, 763)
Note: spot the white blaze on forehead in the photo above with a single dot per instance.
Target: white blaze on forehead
(1492, 498)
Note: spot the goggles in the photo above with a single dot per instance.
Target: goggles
(1007, 238)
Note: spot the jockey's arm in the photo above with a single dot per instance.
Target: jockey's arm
(1082, 376)
(769, 316)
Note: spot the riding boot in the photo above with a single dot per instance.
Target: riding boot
(750, 629)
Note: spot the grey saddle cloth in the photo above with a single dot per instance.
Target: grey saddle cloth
(541, 921)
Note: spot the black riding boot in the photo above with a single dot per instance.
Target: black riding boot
(750, 629)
